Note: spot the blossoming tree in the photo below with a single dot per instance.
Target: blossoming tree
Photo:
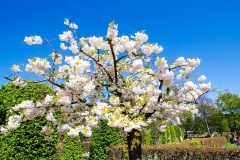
(117, 79)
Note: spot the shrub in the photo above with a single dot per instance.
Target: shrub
(26, 142)
(146, 138)
(102, 139)
(179, 133)
(163, 138)
(173, 132)
(70, 148)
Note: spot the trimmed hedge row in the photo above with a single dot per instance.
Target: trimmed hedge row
(170, 152)
(206, 148)
(206, 142)
(214, 142)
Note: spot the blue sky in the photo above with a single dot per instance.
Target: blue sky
(207, 29)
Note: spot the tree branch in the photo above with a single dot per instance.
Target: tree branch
(121, 58)
(100, 65)
(114, 61)
(160, 88)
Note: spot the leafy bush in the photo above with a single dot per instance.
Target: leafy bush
(179, 133)
(26, 142)
(11, 95)
(102, 139)
(70, 148)
(163, 138)
(146, 138)
(150, 135)
(173, 132)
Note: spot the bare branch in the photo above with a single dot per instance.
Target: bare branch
(121, 58)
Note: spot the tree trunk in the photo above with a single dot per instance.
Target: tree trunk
(134, 145)
(207, 128)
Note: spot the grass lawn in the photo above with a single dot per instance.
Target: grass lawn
(229, 145)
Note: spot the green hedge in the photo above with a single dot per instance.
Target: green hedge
(70, 148)
(26, 142)
(102, 139)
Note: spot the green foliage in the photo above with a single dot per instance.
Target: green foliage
(179, 133)
(154, 135)
(210, 119)
(163, 138)
(224, 125)
(172, 133)
(102, 139)
(219, 122)
(229, 104)
(70, 148)
(199, 126)
(230, 145)
(146, 138)
(150, 136)
(26, 142)
(11, 95)
(187, 122)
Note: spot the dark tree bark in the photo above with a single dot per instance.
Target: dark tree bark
(134, 140)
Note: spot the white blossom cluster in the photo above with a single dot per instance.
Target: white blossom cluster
(33, 40)
(110, 79)
(16, 68)
(37, 65)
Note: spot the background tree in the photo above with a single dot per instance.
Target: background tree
(199, 126)
(187, 123)
(205, 111)
(218, 122)
(199, 123)
(229, 104)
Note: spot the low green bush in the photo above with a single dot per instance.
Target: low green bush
(27, 141)
(70, 148)
(102, 139)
